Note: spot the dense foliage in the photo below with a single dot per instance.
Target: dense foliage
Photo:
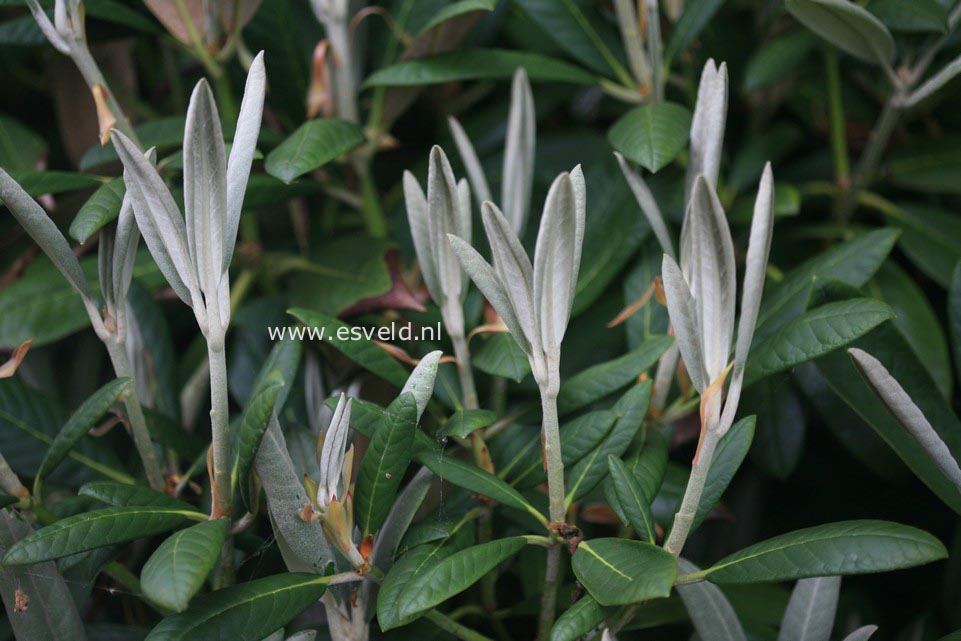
(480, 319)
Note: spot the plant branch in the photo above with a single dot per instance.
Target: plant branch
(138, 423)
(220, 433)
(549, 598)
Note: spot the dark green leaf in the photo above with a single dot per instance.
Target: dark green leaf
(163, 133)
(814, 334)
(360, 350)
(476, 64)
(848, 26)
(314, 144)
(465, 422)
(384, 464)
(456, 573)
(177, 569)
(631, 499)
(96, 529)
(575, 27)
(727, 460)
(853, 262)
(51, 612)
(78, 425)
(579, 437)
(37, 183)
(917, 322)
(101, 208)
(579, 619)
(652, 135)
(849, 547)
(598, 381)
(472, 478)
(622, 572)
(262, 405)
(246, 612)
(499, 355)
(630, 410)
(20, 147)
(123, 495)
(773, 61)
(923, 16)
(695, 17)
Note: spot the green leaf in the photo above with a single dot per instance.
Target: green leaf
(888, 345)
(622, 572)
(813, 334)
(630, 410)
(313, 145)
(781, 428)
(652, 135)
(598, 381)
(631, 499)
(914, 16)
(465, 422)
(954, 314)
(163, 133)
(394, 590)
(262, 405)
(476, 64)
(579, 619)
(51, 612)
(42, 305)
(384, 464)
(346, 270)
(77, 426)
(928, 167)
(37, 183)
(456, 573)
(575, 27)
(773, 61)
(579, 437)
(360, 350)
(695, 17)
(500, 355)
(124, 495)
(847, 26)
(853, 262)
(20, 147)
(647, 467)
(177, 569)
(472, 478)
(453, 10)
(917, 322)
(95, 529)
(728, 457)
(848, 547)
(931, 238)
(101, 208)
(246, 612)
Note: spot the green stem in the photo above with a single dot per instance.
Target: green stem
(371, 210)
(198, 47)
(447, 624)
(138, 423)
(868, 163)
(839, 145)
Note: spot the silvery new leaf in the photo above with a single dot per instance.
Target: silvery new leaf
(534, 300)
(517, 171)
(193, 251)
